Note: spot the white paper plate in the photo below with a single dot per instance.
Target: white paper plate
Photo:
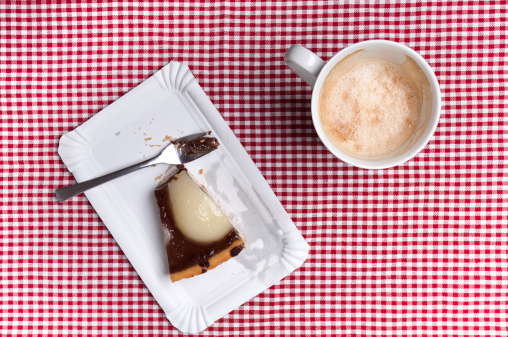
(171, 103)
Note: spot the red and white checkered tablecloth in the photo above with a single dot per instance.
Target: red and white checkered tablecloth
(419, 249)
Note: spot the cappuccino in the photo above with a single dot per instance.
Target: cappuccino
(370, 106)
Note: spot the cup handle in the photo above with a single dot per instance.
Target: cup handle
(304, 63)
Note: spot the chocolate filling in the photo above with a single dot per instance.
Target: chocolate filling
(182, 251)
(199, 145)
(235, 251)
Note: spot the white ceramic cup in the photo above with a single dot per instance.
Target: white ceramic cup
(314, 71)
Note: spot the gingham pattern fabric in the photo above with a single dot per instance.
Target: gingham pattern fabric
(416, 250)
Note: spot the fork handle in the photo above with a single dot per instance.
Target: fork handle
(65, 193)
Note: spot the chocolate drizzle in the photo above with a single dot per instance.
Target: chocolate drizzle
(205, 264)
(182, 251)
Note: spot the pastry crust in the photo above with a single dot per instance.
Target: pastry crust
(215, 260)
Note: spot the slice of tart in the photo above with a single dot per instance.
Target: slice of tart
(197, 234)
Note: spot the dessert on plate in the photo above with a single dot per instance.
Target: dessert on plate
(197, 234)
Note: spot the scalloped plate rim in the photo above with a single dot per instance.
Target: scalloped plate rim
(239, 156)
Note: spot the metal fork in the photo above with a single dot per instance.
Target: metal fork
(172, 154)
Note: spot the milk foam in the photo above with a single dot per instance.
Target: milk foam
(370, 107)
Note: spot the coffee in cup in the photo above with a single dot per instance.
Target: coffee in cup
(371, 106)
(383, 84)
